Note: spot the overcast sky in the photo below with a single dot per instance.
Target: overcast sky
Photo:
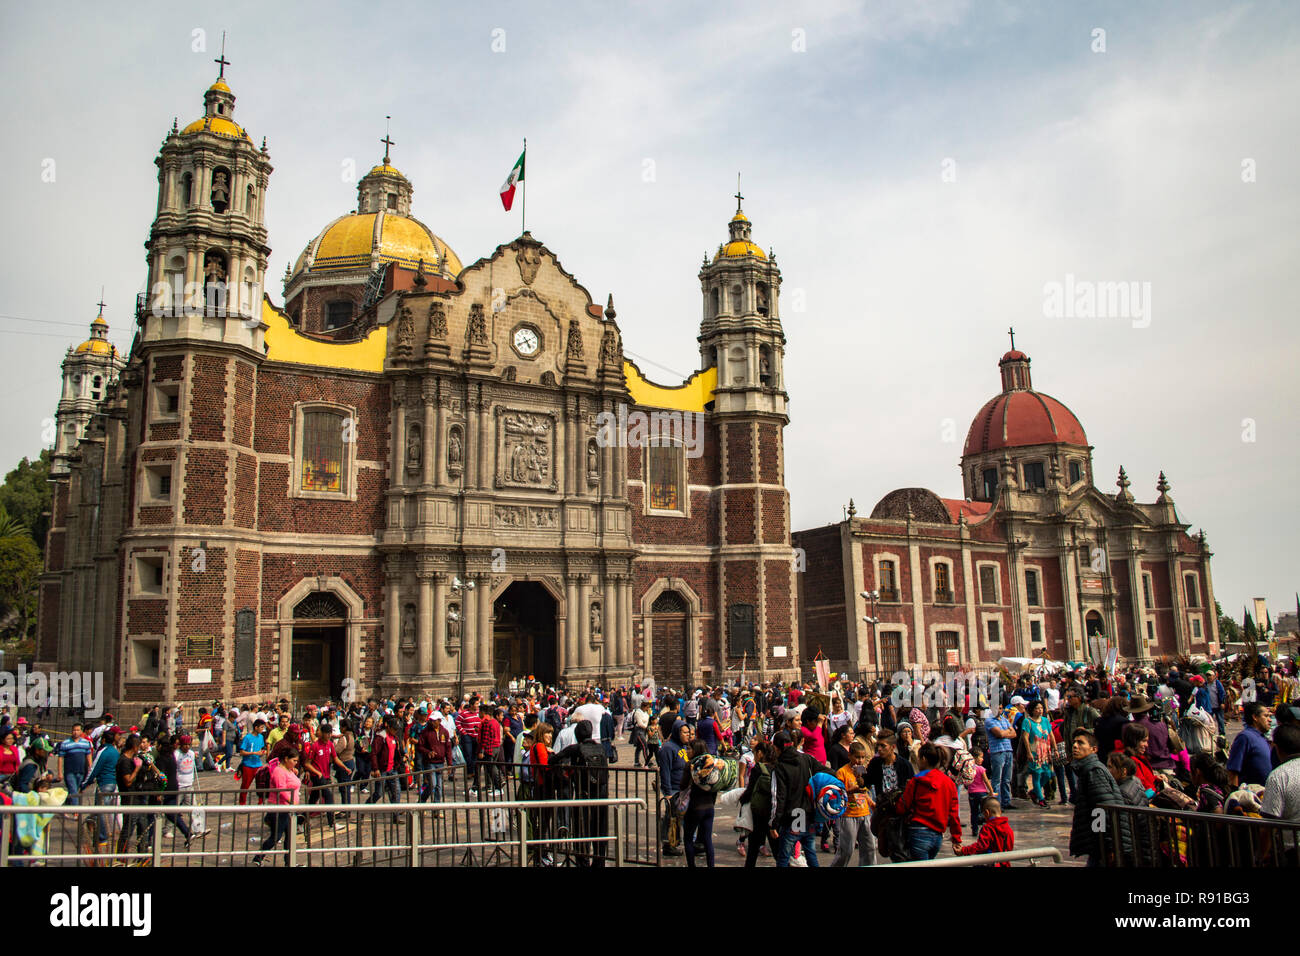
(922, 170)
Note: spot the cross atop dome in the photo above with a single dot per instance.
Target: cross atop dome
(221, 61)
(1012, 333)
(387, 140)
(739, 197)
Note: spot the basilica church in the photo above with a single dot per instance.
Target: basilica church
(396, 481)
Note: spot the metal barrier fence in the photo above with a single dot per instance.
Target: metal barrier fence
(414, 834)
(577, 833)
(988, 859)
(1152, 837)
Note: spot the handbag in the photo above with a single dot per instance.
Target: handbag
(457, 758)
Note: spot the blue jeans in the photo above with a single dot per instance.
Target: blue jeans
(432, 787)
(73, 782)
(1000, 768)
(107, 796)
(922, 842)
(785, 849)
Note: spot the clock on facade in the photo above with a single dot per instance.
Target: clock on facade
(526, 341)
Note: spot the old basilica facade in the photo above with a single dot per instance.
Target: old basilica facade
(404, 479)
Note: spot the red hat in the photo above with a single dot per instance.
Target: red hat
(185, 739)
(1198, 679)
(135, 730)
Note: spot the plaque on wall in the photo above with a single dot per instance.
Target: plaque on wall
(200, 645)
(740, 630)
(245, 634)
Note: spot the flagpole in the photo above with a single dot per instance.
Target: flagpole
(523, 204)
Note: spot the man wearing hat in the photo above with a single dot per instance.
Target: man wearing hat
(33, 767)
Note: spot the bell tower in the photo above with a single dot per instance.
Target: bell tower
(741, 329)
(87, 371)
(741, 335)
(207, 249)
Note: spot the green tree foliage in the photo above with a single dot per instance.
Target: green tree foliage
(20, 568)
(25, 495)
(1228, 629)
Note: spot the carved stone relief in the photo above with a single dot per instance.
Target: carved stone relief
(525, 449)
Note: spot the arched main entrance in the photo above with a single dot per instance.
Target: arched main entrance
(319, 648)
(1093, 625)
(523, 634)
(668, 623)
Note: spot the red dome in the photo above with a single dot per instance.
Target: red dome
(1019, 418)
(1012, 356)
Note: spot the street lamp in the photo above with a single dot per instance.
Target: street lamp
(458, 587)
(873, 597)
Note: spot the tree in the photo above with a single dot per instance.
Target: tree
(1228, 631)
(1251, 637)
(20, 568)
(25, 495)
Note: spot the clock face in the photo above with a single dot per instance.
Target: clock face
(526, 341)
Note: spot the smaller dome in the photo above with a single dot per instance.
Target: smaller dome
(739, 247)
(216, 124)
(386, 168)
(739, 217)
(923, 504)
(220, 84)
(94, 347)
(1015, 355)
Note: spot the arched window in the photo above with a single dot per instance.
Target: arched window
(187, 189)
(761, 291)
(248, 203)
(666, 470)
(714, 298)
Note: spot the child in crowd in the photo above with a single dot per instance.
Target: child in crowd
(977, 791)
(995, 834)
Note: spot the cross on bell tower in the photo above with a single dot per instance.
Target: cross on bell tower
(221, 61)
(739, 197)
(1012, 333)
(387, 140)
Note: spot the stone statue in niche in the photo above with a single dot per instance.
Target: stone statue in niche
(477, 325)
(595, 618)
(454, 451)
(414, 449)
(548, 378)
(509, 374)
(220, 191)
(453, 623)
(408, 625)
(593, 466)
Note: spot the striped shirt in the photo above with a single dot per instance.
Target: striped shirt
(75, 754)
(467, 724)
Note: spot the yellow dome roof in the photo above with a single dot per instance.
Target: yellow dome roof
(220, 84)
(739, 217)
(216, 124)
(387, 168)
(97, 346)
(346, 244)
(737, 248)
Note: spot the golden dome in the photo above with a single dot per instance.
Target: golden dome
(739, 217)
(220, 84)
(386, 168)
(96, 346)
(348, 243)
(216, 124)
(738, 248)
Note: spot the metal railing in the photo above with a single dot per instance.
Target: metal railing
(1153, 837)
(417, 834)
(325, 814)
(987, 859)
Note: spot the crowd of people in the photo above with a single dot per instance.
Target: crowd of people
(807, 771)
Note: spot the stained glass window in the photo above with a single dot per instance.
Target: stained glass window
(322, 451)
(665, 477)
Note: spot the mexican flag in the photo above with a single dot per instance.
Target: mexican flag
(516, 176)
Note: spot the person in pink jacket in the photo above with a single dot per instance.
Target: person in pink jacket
(285, 785)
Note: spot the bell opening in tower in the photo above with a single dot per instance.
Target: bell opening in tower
(523, 634)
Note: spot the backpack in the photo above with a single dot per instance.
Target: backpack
(962, 768)
(262, 778)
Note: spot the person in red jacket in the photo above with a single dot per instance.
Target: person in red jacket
(930, 799)
(996, 835)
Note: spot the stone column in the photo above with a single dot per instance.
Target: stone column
(1180, 606)
(483, 587)
(427, 435)
(609, 624)
(484, 479)
(468, 629)
(585, 655)
(424, 638)
(399, 433)
(442, 662)
(918, 605)
(625, 620)
(572, 626)
(438, 445)
(392, 624)
(605, 456)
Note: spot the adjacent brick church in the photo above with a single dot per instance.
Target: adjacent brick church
(1033, 561)
(404, 479)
